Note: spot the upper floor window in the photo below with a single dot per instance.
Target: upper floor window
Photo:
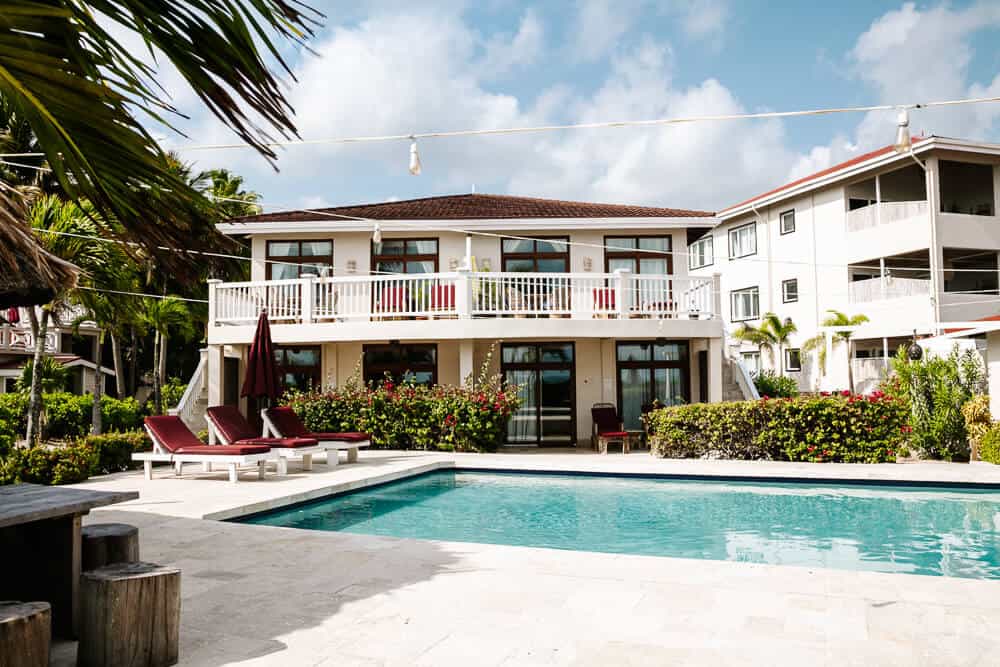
(793, 359)
(290, 259)
(701, 252)
(787, 222)
(638, 254)
(745, 304)
(416, 363)
(790, 290)
(405, 256)
(743, 240)
(542, 255)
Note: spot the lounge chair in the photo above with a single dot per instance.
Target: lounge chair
(283, 422)
(608, 428)
(231, 428)
(173, 442)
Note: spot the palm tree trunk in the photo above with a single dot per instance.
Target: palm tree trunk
(96, 425)
(38, 329)
(163, 360)
(157, 399)
(116, 353)
(850, 366)
(133, 380)
(781, 360)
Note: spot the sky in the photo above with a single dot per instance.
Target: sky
(381, 67)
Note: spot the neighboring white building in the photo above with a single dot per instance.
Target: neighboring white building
(911, 243)
(572, 323)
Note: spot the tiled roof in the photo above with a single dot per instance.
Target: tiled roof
(825, 172)
(477, 207)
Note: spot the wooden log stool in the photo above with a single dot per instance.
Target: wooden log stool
(25, 633)
(106, 543)
(130, 614)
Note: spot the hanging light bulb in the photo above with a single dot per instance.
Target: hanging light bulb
(902, 143)
(414, 158)
(377, 233)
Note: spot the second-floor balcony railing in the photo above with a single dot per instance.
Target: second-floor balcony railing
(20, 339)
(463, 295)
(885, 213)
(865, 291)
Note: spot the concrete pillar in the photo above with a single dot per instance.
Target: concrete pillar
(715, 352)
(993, 370)
(609, 372)
(216, 378)
(466, 367)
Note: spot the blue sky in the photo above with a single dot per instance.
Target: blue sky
(390, 66)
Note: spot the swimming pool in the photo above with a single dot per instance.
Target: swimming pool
(931, 531)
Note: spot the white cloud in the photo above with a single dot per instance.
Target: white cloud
(599, 24)
(703, 19)
(504, 53)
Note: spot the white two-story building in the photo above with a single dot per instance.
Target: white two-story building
(581, 303)
(909, 240)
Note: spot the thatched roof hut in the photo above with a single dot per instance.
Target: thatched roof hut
(28, 274)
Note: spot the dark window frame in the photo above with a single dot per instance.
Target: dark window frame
(784, 295)
(535, 256)
(298, 259)
(732, 309)
(404, 258)
(729, 238)
(684, 366)
(781, 222)
(636, 253)
(538, 365)
(396, 369)
(284, 368)
(787, 364)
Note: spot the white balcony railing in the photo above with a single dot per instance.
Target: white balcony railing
(20, 339)
(462, 295)
(885, 213)
(865, 291)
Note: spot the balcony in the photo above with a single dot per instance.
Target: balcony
(866, 291)
(463, 296)
(21, 340)
(886, 213)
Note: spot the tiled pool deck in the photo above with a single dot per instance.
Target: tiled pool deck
(258, 595)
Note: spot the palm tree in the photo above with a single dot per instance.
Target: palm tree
(773, 332)
(82, 93)
(836, 319)
(60, 227)
(224, 187)
(166, 316)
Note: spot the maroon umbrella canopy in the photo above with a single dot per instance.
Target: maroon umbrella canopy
(262, 375)
(13, 315)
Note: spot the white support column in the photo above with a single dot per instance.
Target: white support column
(622, 281)
(308, 290)
(885, 353)
(829, 355)
(717, 296)
(881, 273)
(463, 294)
(216, 379)
(715, 353)
(212, 302)
(467, 264)
(936, 252)
(466, 369)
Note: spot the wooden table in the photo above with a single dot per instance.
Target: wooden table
(40, 546)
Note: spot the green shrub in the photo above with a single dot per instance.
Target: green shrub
(67, 415)
(935, 389)
(989, 446)
(976, 413)
(119, 414)
(13, 411)
(172, 391)
(55, 376)
(412, 416)
(772, 385)
(43, 465)
(839, 428)
(113, 451)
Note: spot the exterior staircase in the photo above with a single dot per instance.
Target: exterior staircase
(736, 382)
(193, 404)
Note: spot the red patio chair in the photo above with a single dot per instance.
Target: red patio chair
(283, 422)
(604, 301)
(608, 428)
(442, 298)
(232, 428)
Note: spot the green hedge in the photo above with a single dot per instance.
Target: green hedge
(772, 385)
(67, 415)
(989, 445)
(411, 416)
(73, 462)
(840, 428)
(13, 412)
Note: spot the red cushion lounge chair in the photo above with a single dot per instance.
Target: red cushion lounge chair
(283, 422)
(608, 428)
(173, 442)
(231, 428)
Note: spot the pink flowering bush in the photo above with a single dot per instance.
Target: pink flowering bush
(829, 428)
(412, 416)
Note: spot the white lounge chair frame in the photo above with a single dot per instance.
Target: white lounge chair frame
(284, 454)
(332, 447)
(233, 462)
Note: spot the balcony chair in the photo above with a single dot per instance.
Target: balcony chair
(284, 423)
(392, 302)
(608, 428)
(442, 301)
(173, 442)
(232, 428)
(604, 302)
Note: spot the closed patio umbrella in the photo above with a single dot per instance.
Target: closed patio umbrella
(262, 379)
(13, 315)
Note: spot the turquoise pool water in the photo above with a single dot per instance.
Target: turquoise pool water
(933, 531)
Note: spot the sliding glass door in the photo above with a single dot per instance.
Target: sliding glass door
(651, 373)
(544, 376)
